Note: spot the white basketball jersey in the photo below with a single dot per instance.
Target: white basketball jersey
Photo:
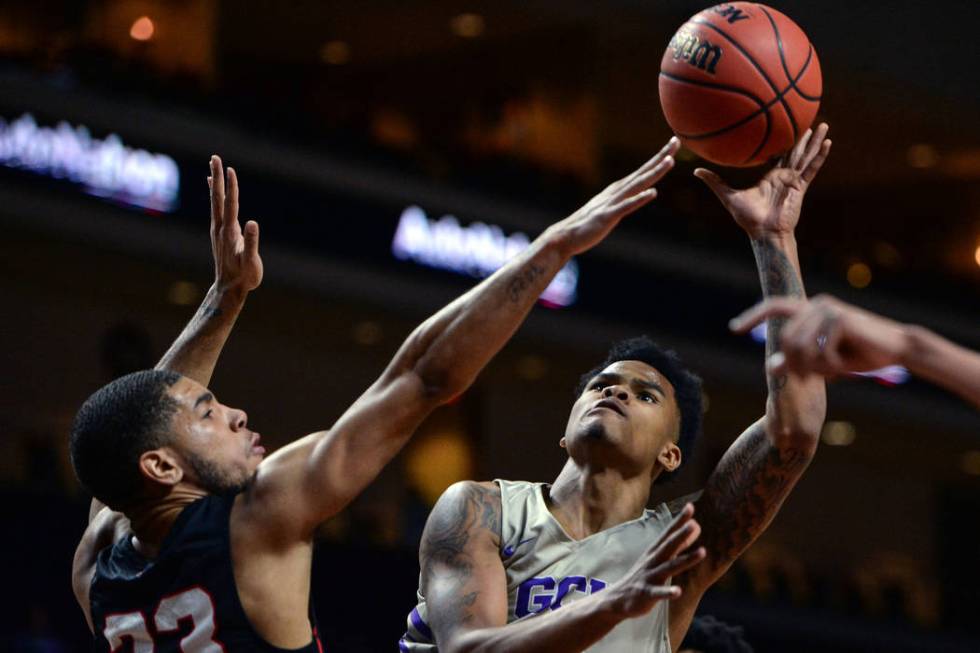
(547, 569)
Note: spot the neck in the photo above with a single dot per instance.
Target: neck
(151, 520)
(587, 500)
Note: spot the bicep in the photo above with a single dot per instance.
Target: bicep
(743, 494)
(463, 578)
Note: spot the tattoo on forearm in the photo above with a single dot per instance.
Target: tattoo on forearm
(443, 553)
(519, 286)
(778, 277)
(745, 492)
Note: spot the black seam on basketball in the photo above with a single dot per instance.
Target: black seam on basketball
(763, 106)
(696, 82)
(789, 76)
(765, 138)
(806, 64)
(748, 56)
(724, 87)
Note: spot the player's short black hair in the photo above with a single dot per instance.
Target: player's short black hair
(114, 427)
(708, 635)
(687, 386)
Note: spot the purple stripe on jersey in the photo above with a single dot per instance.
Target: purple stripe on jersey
(420, 625)
(402, 646)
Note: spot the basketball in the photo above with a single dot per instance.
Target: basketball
(740, 83)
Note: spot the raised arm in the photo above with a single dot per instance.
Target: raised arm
(746, 489)
(465, 585)
(237, 271)
(829, 337)
(315, 477)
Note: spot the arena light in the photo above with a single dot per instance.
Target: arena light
(468, 25)
(970, 463)
(142, 29)
(922, 156)
(889, 375)
(838, 434)
(859, 275)
(104, 167)
(335, 53)
(477, 250)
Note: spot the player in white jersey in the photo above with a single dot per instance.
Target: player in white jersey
(567, 566)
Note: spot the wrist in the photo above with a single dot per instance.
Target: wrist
(914, 343)
(782, 238)
(557, 241)
(233, 294)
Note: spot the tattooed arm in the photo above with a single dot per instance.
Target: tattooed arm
(756, 474)
(465, 585)
(305, 483)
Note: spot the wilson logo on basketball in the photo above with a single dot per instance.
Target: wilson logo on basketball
(698, 52)
(732, 14)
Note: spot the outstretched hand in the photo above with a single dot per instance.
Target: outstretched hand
(646, 584)
(588, 226)
(773, 205)
(237, 264)
(826, 336)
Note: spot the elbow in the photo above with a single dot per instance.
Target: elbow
(440, 385)
(801, 439)
(800, 435)
(797, 424)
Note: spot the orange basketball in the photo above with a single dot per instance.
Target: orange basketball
(740, 83)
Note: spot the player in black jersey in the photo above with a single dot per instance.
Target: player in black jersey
(196, 542)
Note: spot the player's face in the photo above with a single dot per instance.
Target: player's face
(626, 416)
(220, 453)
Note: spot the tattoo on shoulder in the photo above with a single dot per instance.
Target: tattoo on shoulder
(453, 522)
(746, 491)
(520, 285)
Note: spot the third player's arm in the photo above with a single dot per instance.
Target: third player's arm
(317, 476)
(856, 340)
(756, 474)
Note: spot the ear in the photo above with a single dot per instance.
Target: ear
(161, 466)
(670, 457)
(561, 443)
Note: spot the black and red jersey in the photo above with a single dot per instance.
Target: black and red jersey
(183, 601)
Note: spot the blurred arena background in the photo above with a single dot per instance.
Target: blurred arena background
(351, 123)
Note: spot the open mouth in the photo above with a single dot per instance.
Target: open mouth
(610, 405)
